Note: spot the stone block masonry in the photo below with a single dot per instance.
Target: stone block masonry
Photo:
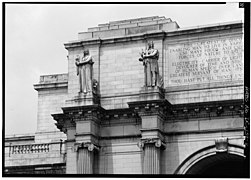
(52, 92)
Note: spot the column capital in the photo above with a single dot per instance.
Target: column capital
(87, 145)
(156, 142)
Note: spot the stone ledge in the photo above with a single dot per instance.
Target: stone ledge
(214, 85)
(50, 85)
(20, 138)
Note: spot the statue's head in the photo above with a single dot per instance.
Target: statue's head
(86, 52)
(150, 45)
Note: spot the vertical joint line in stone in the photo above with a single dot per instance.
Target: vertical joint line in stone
(9, 149)
(163, 53)
(99, 47)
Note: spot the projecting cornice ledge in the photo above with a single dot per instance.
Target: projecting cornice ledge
(119, 39)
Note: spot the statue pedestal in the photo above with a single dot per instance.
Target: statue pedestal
(83, 100)
(151, 93)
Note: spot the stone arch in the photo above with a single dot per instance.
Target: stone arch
(207, 152)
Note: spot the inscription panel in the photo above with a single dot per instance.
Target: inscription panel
(211, 60)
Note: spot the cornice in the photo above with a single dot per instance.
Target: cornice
(77, 109)
(162, 108)
(157, 34)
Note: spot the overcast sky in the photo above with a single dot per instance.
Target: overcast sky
(35, 34)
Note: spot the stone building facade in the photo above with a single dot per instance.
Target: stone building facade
(181, 115)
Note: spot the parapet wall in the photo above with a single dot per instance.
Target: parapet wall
(129, 27)
(55, 78)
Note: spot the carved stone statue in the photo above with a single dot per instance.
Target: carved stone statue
(84, 71)
(150, 57)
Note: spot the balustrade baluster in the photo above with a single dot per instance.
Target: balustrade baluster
(21, 149)
(24, 149)
(35, 146)
(31, 148)
(17, 152)
(42, 147)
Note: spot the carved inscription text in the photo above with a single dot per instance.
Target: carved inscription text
(207, 61)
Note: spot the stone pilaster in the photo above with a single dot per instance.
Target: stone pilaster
(151, 155)
(85, 158)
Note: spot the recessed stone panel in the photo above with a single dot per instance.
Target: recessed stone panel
(204, 61)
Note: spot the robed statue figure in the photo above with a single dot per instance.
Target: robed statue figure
(150, 57)
(84, 71)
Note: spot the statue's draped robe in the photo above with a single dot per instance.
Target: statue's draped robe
(85, 77)
(151, 70)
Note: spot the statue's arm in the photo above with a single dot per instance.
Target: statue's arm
(86, 60)
(154, 53)
(77, 60)
(89, 58)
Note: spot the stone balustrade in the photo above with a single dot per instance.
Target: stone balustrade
(30, 148)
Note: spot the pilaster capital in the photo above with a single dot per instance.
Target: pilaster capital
(156, 142)
(87, 145)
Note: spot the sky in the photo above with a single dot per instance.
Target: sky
(35, 35)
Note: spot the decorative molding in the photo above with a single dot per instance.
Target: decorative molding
(85, 113)
(150, 108)
(206, 110)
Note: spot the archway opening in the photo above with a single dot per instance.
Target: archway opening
(219, 165)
